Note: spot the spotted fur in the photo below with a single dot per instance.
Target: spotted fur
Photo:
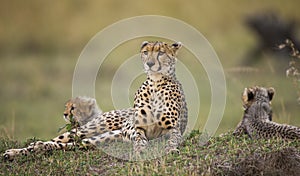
(257, 120)
(81, 110)
(95, 127)
(160, 102)
(159, 109)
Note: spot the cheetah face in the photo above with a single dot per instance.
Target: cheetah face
(159, 57)
(69, 111)
(80, 109)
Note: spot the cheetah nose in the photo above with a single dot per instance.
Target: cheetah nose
(150, 64)
(65, 114)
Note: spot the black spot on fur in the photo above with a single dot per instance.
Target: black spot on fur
(92, 128)
(144, 120)
(143, 112)
(167, 122)
(157, 116)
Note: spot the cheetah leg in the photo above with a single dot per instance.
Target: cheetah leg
(12, 153)
(140, 140)
(115, 135)
(62, 141)
(36, 147)
(174, 141)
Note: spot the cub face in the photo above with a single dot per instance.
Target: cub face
(80, 109)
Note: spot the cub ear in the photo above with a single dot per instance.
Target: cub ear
(176, 46)
(92, 101)
(271, 92)
(248, 95)
(144, 43)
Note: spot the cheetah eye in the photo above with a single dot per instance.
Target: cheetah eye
(160, 53)
(72, 108)
(145, 52)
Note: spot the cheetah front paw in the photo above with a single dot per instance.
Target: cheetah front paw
(11, 153)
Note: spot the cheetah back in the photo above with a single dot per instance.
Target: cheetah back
(257, 119)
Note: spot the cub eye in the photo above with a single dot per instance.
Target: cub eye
(160, 53)
(145, 52)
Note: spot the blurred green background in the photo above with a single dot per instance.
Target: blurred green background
(40, 42)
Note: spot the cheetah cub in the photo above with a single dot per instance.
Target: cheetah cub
(257, 119)
(93, 128)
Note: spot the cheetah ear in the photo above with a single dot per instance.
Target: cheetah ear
(92, 104)
(92, 101)
(271, 92)
(144, 44)
(248, 95)
(176, 46)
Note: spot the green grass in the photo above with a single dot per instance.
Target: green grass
(224, 155)
(40, 43)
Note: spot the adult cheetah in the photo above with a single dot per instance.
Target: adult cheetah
(159, 109)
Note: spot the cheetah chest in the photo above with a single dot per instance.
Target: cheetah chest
(156, 109)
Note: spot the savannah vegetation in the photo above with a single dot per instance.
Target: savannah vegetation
(40, 43)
